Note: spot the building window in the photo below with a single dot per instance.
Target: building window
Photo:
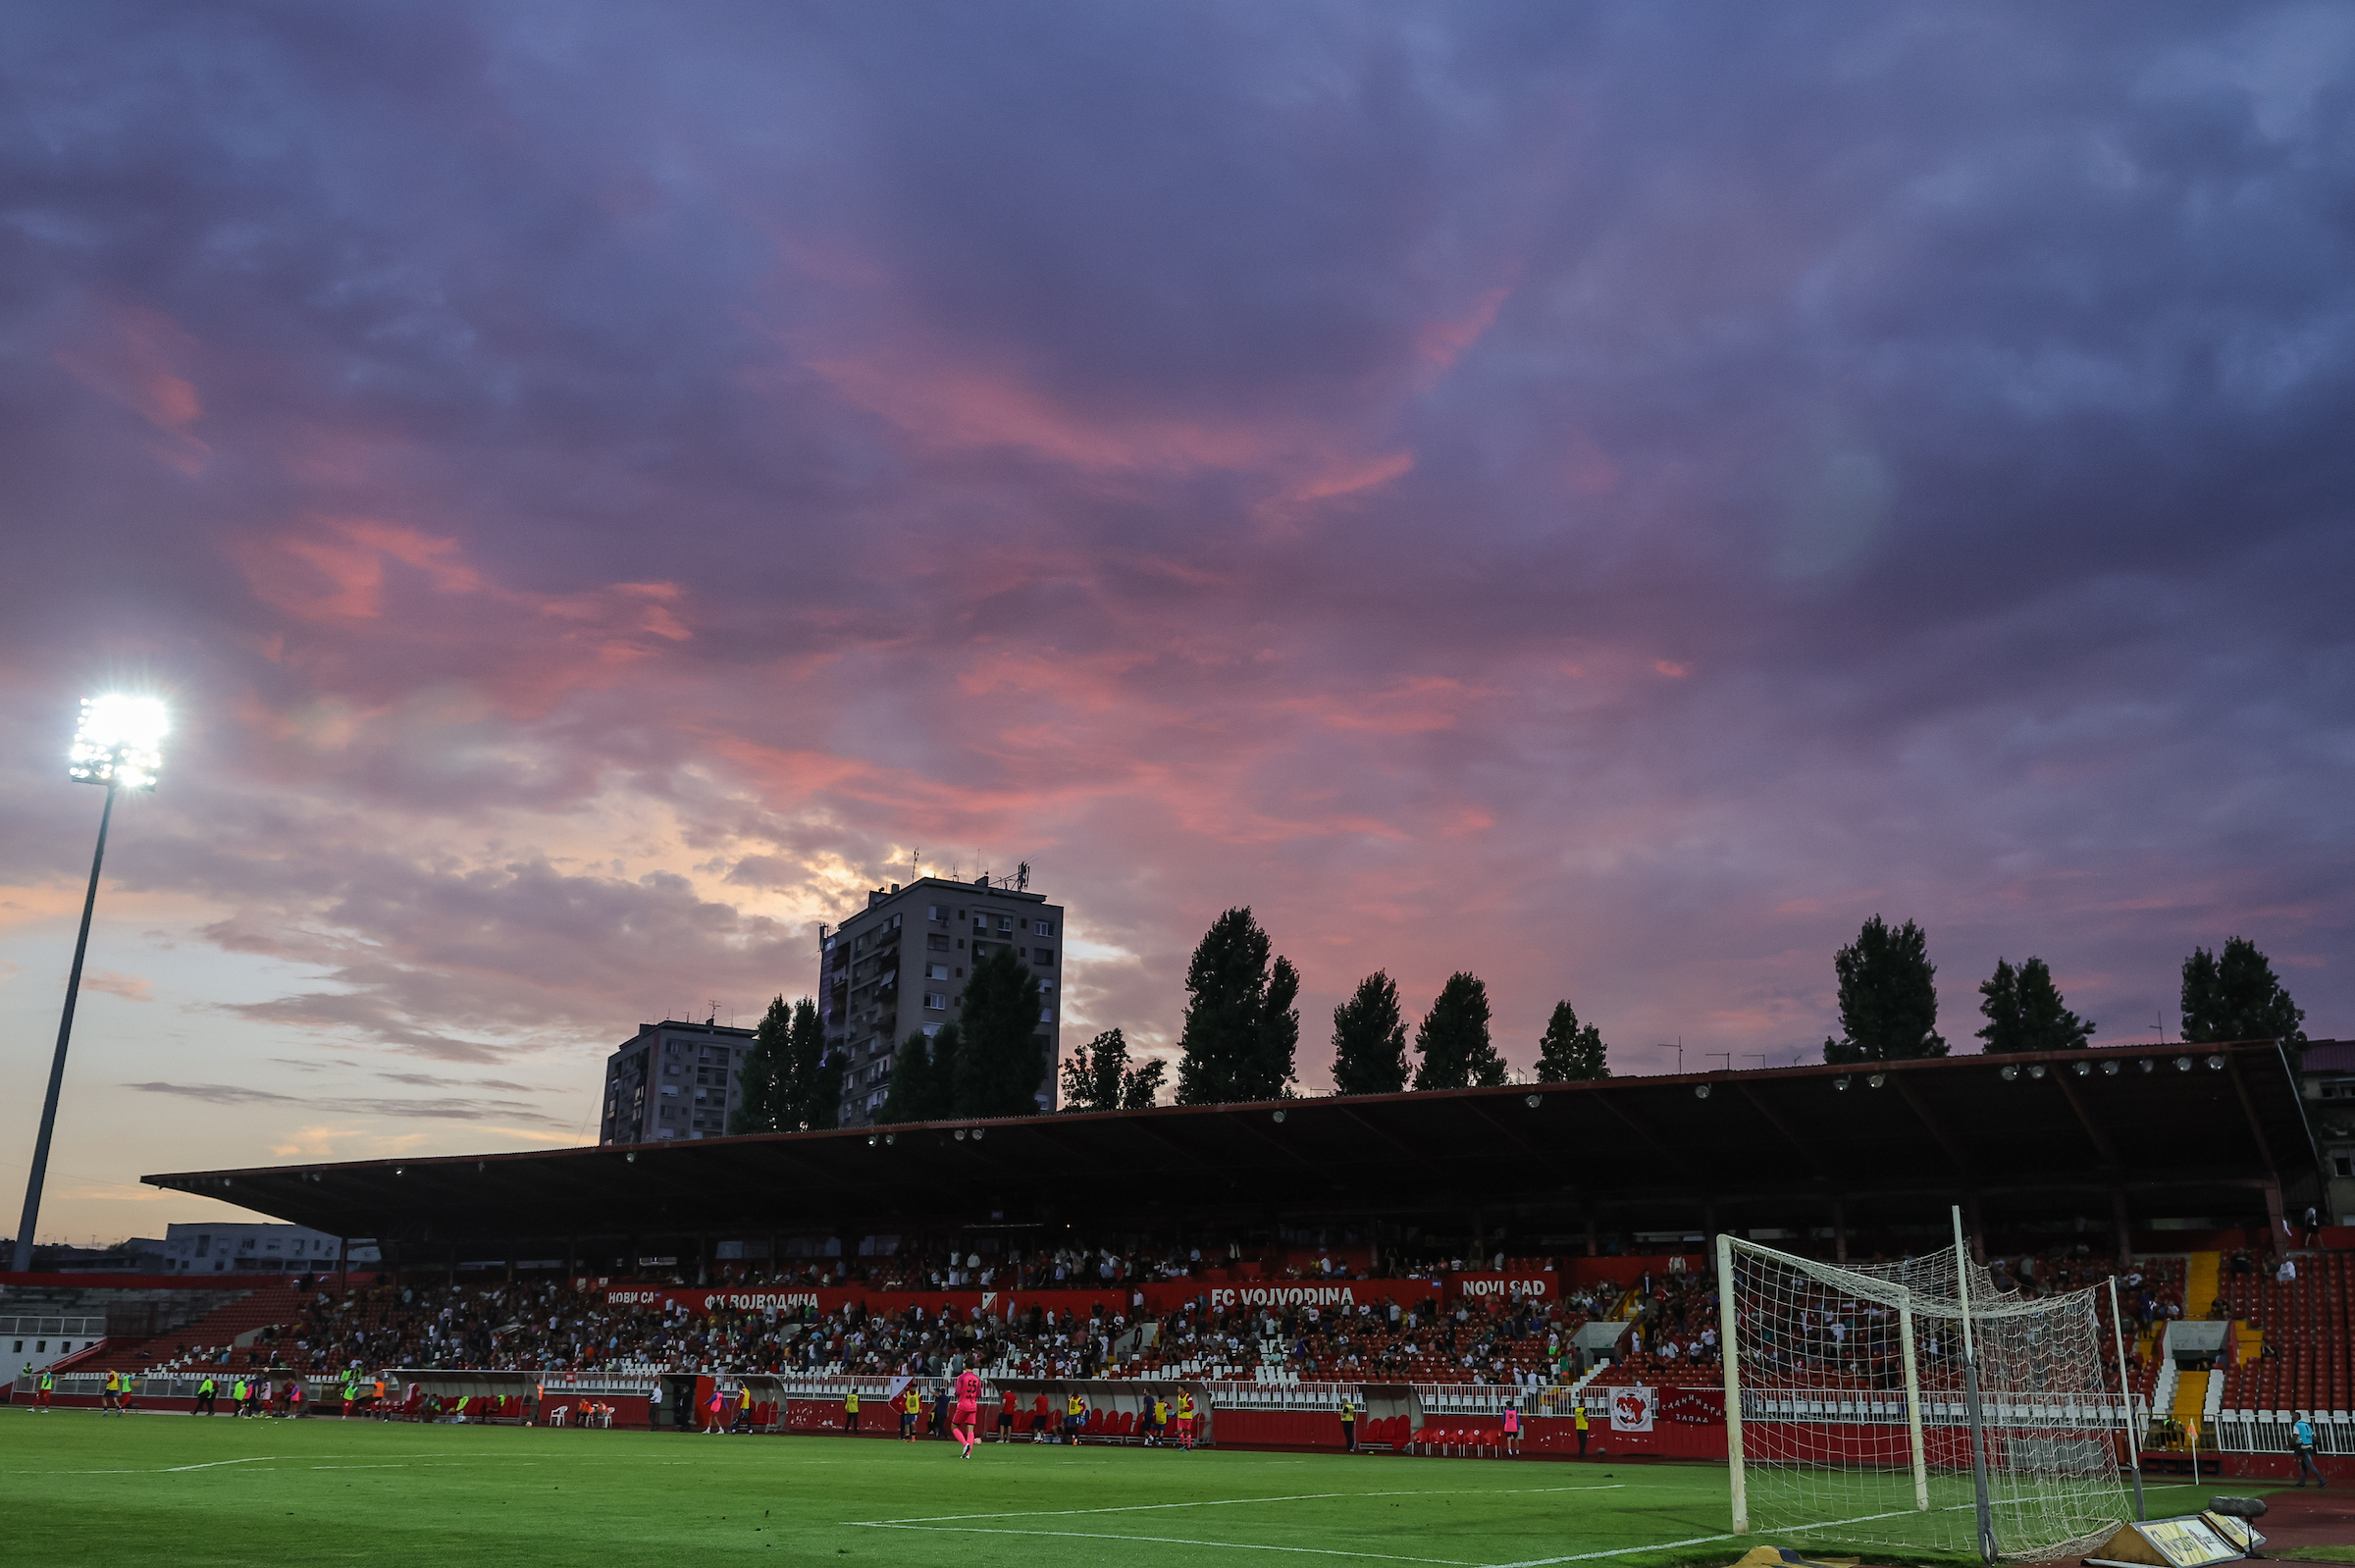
(1043, 928)
(2344, 1164)
(930, 1029)
(1046, 1014)
(937, 1001)
(936, 912)
(1045, 956)
(936, 942)
(1005, 923)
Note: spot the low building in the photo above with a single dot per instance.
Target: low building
(233, 1247)
(674, 1080)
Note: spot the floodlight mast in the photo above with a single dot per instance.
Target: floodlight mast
(117, 745)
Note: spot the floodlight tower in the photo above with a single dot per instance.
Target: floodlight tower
(119, 744)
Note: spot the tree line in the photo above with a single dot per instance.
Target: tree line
(1240, 1036)
(1889, 1001)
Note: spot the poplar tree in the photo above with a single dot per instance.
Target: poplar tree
(1242, 1029)
(1004, 1057)
(1888, 997)
(1570, 1050)
(1369, 1039)
(2236, 996)
(2025, 1012)
(1454, 1039)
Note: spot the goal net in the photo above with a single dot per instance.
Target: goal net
(1854, 1418)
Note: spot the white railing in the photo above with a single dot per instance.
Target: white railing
(2269, 1432)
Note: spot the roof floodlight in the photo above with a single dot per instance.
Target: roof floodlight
(1877, 1079)
(2009, 1072)
(1701, 1091)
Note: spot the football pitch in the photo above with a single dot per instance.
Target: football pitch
(79, 1488)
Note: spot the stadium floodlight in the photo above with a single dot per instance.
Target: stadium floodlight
(2009, 1072)
(2035, 1070)
(2182, 1064)
(2216, 1064)
(1536, 1100)
(1701, 1091)
(978, 1131)
(1280, 1115)
(119, 745)
(2080, 1068)
(1876, 1081)
(2108, 1070)
(1840, 1082)
(119, 741)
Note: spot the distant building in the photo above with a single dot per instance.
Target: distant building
(233, 1247)
(897, 968)
(674, 1080)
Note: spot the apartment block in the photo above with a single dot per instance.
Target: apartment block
(674, 1080)
(897, 968)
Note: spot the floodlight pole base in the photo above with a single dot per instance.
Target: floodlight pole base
(56, 1064)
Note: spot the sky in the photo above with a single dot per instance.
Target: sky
(1602, 496)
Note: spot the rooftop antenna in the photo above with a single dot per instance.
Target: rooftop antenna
(1021, 877)
(916, 865)
(715, 1016)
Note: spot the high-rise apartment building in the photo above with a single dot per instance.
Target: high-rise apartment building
(897, 968)
(674, 1080)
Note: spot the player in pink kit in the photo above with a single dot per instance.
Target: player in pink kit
(965, 1425)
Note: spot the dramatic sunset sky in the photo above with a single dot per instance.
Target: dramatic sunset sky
(1606, 498)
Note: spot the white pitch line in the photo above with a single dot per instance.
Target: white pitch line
(1228, 1502)
(213, 1464)
(1696, 1541)
(1174, 1541)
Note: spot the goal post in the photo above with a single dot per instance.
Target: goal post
(1856, 1416)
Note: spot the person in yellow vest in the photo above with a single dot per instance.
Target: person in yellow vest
(1349, 1424)
(1160, 1421)
(1073, 1407)
(1578, 1419)
(48, 1387)
(204, 1397)
(240, 1392)
(849, 1411)
(744, 1409)
(112, 1401)
(911, 1405)
(1186, 1418)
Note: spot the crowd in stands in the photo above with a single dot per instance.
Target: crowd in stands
(1509, 1338)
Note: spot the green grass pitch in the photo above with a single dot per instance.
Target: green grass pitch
(79, 1488)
